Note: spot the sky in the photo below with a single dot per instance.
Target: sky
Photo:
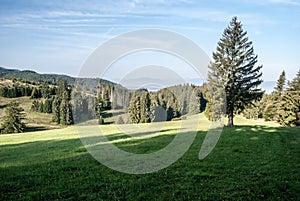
(58, 36)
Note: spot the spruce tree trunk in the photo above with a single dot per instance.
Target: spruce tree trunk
(230, 119)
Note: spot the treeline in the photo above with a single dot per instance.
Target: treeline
(282, 105)
(90, 105)
(141, 106)
(15, 91)
(20, 88)
(54, 100)
(34, 77)
(165, 104)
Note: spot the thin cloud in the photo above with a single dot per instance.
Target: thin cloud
(288, 2)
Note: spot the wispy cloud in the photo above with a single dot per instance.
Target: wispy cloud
(288, 2)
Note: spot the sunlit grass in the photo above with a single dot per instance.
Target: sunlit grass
(254, 160)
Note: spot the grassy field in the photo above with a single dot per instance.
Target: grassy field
(252, 161)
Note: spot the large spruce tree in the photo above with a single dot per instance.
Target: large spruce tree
(234, 67)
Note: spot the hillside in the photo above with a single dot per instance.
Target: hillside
(34, 120)
(28, 75)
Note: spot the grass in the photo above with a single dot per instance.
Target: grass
(259, 161)
(34, 120)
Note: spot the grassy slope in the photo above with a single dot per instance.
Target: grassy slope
(34, 120)
(256, 162)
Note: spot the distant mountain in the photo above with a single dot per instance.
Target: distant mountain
(29, 75)
(91, 83)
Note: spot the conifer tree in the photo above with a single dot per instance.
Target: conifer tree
(275, 99)
(234, 68)
(62, 109)
(134, 109)
(56, 110)
(13, 122)
(289, 113)
(145, 107)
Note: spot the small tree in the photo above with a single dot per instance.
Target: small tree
(13, 122)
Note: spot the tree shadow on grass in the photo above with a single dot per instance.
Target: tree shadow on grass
(31, 128)
(63, 169)
(3, 106)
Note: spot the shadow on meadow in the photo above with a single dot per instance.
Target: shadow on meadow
(248, 163)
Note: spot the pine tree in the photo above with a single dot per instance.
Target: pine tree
(134, 109)
(13, 122)
(35, 93)
(145, 107)
(106, 98)
(99, 109)
(61, 107)
(195, 101)
(275, 99)
(280, 84)
(45, 91)
(257, 109)
(234, 68)
(289, 113)
(48, 106)
(56, 110)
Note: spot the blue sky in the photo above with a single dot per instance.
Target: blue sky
(58, 36)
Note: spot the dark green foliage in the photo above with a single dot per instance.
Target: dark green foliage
(275, 100)
(234, 68)
(61, 106)
(190, 98)
(145, 107)
(168, 101)
(42, 106)
(166, 104)
(289, 113)
(106, 97)
(45, 90)
(13, 121)
(278, 90)
(15, 91)
(99, 109)
(36, 93)
(134, 109)
(47, 106)
(257, 109)
(56, 110)
(215, 94)
(140, 106)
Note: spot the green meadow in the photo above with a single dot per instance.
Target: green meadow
(253, 160)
